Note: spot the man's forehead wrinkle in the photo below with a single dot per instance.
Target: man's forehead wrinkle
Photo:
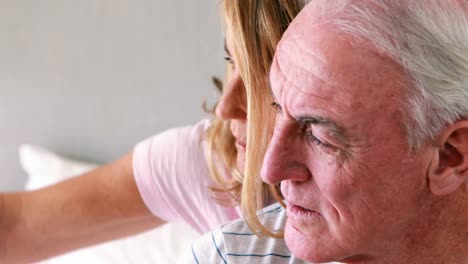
(288, 83)
(276, 80)
(299, 41)
(295, 52)
(338, 130)
(298, 77)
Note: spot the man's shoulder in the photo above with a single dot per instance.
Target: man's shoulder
(273, 216)
(235, 243)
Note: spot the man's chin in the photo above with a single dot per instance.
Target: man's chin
(306, 246)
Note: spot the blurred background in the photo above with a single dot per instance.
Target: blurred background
(89, 79)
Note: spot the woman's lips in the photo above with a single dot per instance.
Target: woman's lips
(240, 145)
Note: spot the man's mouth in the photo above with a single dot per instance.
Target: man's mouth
(299, 213)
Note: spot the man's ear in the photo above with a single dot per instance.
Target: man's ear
(449, 168)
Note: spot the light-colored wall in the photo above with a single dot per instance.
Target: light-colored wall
(90, 78)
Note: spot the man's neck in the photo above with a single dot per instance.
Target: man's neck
(441, 236)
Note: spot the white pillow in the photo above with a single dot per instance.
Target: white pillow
(45, 168)
(162, 245)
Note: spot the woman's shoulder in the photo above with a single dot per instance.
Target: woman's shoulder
(195, 132)
(182, 146)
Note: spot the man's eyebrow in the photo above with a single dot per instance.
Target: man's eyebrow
(338, 131)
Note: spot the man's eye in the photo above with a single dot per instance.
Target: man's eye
(310, 135)
(315, 140)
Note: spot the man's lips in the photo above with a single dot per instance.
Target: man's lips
(295, 202)
(300, 213)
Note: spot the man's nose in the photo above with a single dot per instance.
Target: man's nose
(285, 157)
(232, 104)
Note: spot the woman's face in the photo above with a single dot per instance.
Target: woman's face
(232, 105)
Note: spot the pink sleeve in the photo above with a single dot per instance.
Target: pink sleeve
(172, 175)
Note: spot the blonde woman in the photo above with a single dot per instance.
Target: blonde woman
(192, 174)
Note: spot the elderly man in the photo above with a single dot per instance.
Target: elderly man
(371, 140)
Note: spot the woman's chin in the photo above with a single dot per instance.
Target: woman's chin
(240, 158)
(240, 161)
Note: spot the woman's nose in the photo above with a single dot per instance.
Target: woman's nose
(232, 104)
(285, 157)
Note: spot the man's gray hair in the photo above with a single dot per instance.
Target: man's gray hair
(429, 39)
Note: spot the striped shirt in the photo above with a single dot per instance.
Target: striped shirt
(234, 243)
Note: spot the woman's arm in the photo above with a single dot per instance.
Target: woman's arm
(98, 206)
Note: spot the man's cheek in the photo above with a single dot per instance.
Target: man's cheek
(284, 187)
(340, 183)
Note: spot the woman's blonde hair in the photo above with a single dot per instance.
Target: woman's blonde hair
(256, 27)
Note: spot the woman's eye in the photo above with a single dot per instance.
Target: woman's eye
(229, 60)
(275, 105)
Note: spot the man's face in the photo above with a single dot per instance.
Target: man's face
(339, 149)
